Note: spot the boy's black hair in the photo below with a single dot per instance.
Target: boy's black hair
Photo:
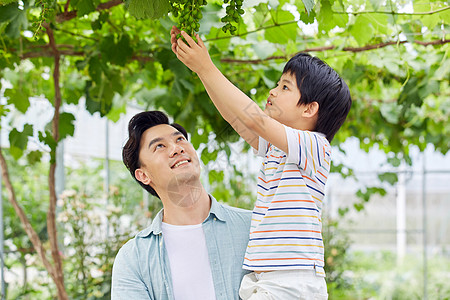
(318, 82)
(136, 128)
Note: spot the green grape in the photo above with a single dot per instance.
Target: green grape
(233, 14)
(189, 14)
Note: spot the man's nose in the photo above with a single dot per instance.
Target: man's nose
(176, 149)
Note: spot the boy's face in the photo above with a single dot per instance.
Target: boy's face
(166, 157)
(282, 102)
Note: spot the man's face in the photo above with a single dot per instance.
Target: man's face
(166, 159)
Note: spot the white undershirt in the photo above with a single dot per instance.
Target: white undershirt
(189, 262)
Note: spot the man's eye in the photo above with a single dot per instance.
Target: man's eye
(285, 87)
(181, 138)
(159, 146)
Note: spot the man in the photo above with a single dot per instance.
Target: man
(195, 246)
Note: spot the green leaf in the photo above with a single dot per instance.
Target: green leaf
(116, 53)
(308, 18)
(18, 140)
(97, 24)
(281, 34)
(4, 110)
(394, 161)
(83, 7)
(73, 88)
(18, 23)
(391, 112)
(95, 69)
(215, 176)
(116, 112)
(390, 177)
(443, 71)
(152, 9)
(325, 15)
(169, 61)
(9, 12)
(48, 140)
(99, 97)
(410, 93)
(19, 98)
(66, 126)
(34, 157)
(362, 30)
(208, 156)
(309, 5)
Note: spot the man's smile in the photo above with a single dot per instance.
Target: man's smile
(180, 162)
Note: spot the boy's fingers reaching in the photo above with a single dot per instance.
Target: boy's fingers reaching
(175, 30)
(174, 48)
(181, 47)
(188, 39)
(200, 41)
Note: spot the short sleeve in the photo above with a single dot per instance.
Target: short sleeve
(127, 282)
(311, 151)
(262, 147)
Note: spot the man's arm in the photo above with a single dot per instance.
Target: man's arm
(126, 281)
(236, 108)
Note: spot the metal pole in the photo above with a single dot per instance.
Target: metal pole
(60, 177)
(106, 181)
(2, 246)
(401, 214)
(424, 221)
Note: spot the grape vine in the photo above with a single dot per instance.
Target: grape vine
(234, 11)
(189, 14)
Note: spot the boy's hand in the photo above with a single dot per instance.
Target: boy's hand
(194, 55)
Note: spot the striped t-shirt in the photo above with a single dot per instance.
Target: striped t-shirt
(286, 227)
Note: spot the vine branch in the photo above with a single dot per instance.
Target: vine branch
(51, 218)
(393, 13)
(34, 238)
(69, 15)
(146, 57)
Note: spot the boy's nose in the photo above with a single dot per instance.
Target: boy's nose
(273, 92)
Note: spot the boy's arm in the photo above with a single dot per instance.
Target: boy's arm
(236, 108)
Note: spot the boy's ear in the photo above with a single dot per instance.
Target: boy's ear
(142, 176)
(311, 109)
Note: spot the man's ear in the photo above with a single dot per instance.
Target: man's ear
(142, 176)
(311, 109)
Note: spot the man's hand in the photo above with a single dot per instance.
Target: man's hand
(194, 55)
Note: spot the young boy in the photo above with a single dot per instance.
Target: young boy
(293, 134)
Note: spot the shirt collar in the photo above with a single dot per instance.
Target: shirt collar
(217, 210)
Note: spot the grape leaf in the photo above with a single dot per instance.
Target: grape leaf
(66, 126)
(309, 5)
(116, 53)
(362, 30)
(83, 7)
(19, 98)
(18, 140)
(152, 9)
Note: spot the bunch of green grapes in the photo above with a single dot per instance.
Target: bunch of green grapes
(188, 13)
(234, 11)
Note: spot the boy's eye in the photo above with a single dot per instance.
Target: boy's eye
(159, 146)
(285, 87)
(181, 138)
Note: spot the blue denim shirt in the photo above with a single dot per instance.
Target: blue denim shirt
(141, 269)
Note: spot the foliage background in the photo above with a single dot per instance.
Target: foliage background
(393, 54)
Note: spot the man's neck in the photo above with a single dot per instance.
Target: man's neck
(188, 206)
